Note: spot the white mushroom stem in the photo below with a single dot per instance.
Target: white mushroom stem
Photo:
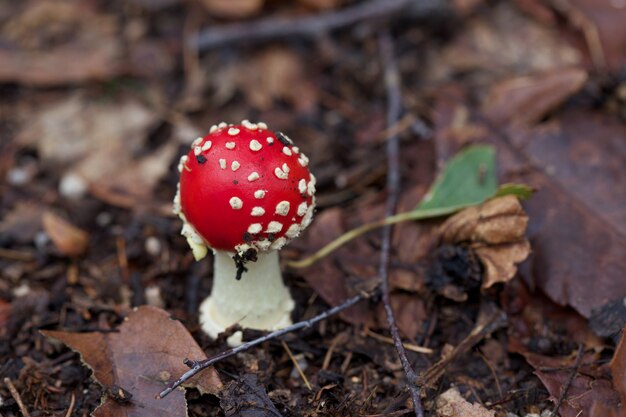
(259, 300)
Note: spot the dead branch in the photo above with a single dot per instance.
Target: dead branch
(198, 366)
(310, 26)
(394, 109)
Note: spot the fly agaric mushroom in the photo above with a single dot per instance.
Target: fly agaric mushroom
(244, 192)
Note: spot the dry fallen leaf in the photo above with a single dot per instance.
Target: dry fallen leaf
(233, 9)
(67, 238)
(452, 404)
(618, 369)
(577, 223)
(97, 143)
(77, 126)
(525, 100)
(495, 230)
(325, 278)
(23, 222)
(144, 355)
(246, 397)
(273, 74)
(503, 41)
(59, 42)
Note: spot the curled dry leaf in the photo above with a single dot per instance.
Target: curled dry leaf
(67, 238)
(144, 355)
(452, 404)
(495, 231)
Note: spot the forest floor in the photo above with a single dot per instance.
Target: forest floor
(504, 309)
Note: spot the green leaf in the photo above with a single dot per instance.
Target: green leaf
(521, 191)
(469, 178)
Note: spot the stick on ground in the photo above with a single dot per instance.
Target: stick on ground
(197, 366)
(394, 108)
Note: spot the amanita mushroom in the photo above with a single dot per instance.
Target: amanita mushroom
(244, 192)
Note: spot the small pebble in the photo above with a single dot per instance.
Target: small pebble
(153, 296)
(73, 186)
(19, 176)
(153, 246)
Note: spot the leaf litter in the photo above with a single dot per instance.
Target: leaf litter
(525, 77)
(133, 362)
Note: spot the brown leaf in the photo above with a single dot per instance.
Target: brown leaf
(325, 277)
(577, 222)
(601, 30)
(247, 397)
(23, 222)
(500, 261)
(233, 9)
(274, 74)
(590, 385)
(583, 393)
(618, 368)
(78, 127)
(452, 404)
(67, 238)
(500, 220)
(526, 100)
(33, 54)
(133, 182)
(501, 41)
(496, 231)
(5, 313)
(144, 355)
(409, 311)
(97, 142)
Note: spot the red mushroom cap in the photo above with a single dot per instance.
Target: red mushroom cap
(243, 186)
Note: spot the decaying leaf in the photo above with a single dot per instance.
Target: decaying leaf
(618, 369)
(67, 238)
(77, 127)
(590, 385)
(246, 397)
(144, 355)
(452, 404)
(97, 141)
(23, 222)
(234, 9)
(495, 230)
(269, 76)
(525, 100)
(33, 53)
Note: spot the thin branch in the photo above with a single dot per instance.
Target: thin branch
(394, 108)
(310, 26)
(16, 396)
(197, 366)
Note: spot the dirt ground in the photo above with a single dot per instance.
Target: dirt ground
(505, 308)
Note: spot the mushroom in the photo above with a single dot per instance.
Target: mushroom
(244, 192)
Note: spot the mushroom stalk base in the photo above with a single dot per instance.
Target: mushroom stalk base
(259, 300)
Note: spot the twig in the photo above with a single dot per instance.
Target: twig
(394, 108)
(570, 379)
(296, 364)
(489, 320)
(408, 346)
(197, 366)
(71, 407)
(16, 396)
(310, 26)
